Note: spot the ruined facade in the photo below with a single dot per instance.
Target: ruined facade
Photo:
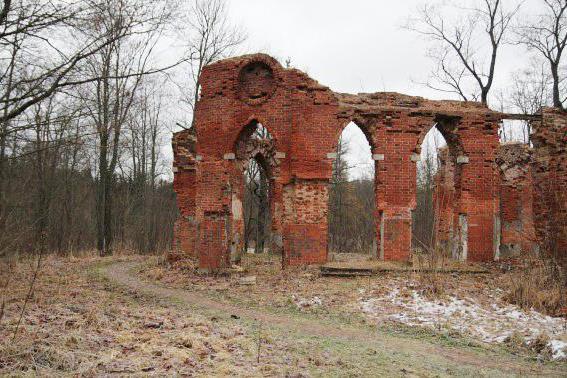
(550, 182)
(515, 220)
(515, 165)
(305, 120)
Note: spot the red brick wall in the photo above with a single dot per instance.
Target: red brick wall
(213, 242)
(305, 216)
(185, 186)
(305, 244)
(305, 120)
(186, 230)
(550, 178)
(518, 237)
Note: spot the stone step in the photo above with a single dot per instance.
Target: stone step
(345, 272)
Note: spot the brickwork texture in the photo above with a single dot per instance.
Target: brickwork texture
(305, 120)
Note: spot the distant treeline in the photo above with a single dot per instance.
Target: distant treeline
(53, 207)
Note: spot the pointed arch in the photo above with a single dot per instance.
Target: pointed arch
(352, 197)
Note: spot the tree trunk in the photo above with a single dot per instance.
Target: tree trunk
(261, 218)
(484, 96)
(108, 214)
(556, 94)
(102, 192)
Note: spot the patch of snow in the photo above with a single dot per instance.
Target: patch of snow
(302, 303)
(489, 323)
(558, 349)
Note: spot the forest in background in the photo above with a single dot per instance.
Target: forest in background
(88, 104)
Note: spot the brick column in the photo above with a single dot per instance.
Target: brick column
(516, 200)
(214, 204)
(186, 226)
(479, 202)
(305, 222)
(185, 165)
(550, 181)
(395, 192)
(276, 214)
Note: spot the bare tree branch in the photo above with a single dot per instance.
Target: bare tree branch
(462, 41)
(546, 34)
(210, 37)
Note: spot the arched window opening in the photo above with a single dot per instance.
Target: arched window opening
(435, 180)
(352, 196)
(261, 133)
(252, 133)
(257, 220)
(254, 150)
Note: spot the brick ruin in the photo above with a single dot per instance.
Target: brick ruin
(514, 161)
(515, 220)
(490, 187)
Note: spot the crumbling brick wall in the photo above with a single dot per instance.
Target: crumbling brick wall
(185, 185)
(515, 164)
(550, 182)
(514, 223)
(305, 120)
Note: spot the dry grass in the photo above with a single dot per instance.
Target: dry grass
(517, 343)
(77, 324)
(540, 345)
(428, 267)
(541, 285)
(278, 289)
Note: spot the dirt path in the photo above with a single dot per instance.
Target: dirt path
(417, 352)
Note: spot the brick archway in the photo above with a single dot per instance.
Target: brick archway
(449, 229)
(305, 119)
(366, 131)
(252, 144)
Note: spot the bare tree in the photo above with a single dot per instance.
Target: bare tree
(144, 213)
(461, 59)
(210, 37)
(44, 48)
(546, 34)
(530, 89)
(530, 92)
(36, 60)
(120, 67)
(424, 213)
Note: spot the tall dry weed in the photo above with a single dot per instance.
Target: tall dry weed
(540, 285)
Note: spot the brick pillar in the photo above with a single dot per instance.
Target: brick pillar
(213, 242)
(479, 200)
(185, 167)
(186, 226)
(276, 213)
(395, 195)
(305, 222)
(550, 181)
(214, 213)
(516, 200)
(236, 232)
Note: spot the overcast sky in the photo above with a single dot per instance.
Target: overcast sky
(354, 46)
(351, 46)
